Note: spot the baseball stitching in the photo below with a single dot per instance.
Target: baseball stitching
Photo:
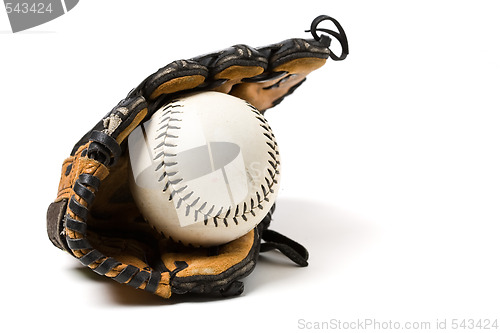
(170, 119)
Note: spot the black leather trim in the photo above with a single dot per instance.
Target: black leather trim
(126, 274)
(91, 257)
(106, 266)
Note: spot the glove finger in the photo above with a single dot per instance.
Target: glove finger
(289, 64)
(177, 76)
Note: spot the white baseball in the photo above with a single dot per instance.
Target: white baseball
(205, 168)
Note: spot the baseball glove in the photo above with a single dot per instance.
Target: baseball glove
(94, 217)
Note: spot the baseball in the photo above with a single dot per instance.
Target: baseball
(205, 169)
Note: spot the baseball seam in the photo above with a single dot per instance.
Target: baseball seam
(169, 120)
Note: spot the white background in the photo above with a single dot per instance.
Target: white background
(390, 162)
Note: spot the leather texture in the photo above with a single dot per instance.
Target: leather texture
(94, 216)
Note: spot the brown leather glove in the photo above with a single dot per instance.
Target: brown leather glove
(94, 216)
